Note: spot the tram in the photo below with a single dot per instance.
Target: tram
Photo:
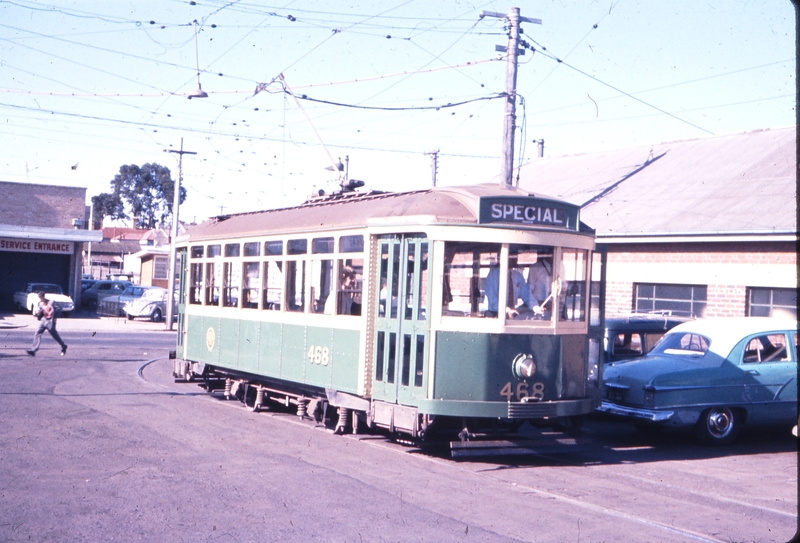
(472, 308)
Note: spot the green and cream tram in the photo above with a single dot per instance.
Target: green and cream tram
(470, 307)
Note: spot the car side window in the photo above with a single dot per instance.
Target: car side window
(766, 348)
(628, 344)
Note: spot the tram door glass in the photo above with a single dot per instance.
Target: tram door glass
(402, 329)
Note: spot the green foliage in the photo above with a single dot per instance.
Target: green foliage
(143, 193)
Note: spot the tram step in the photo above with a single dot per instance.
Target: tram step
(509, 447)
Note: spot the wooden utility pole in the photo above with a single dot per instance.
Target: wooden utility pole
(512, 52)
(176, 202)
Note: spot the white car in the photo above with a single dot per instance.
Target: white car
(61, 302)
(152, 304)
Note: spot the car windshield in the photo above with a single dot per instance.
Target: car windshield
(683, 343)
(50, 289)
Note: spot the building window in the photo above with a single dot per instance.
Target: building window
(161, 267)
(772, 302)
(673, 299)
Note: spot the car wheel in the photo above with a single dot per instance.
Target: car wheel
(718, 426)
(156, 315)
(130, 317)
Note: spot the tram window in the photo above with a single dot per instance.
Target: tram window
(231, 277)
(212, 283)
(232, 249)
(250, 287)
(321, 245)
(273, 248)
(297, 246)
(252, 248)
(349, 289)
(321, 283)
(533, 263)
(351, 244)
(273, 285)
(214, 250)
(197, 251)
(295, 285)
(422, 284)
(572, 298)
(594, 300)
(196, 279)
(466, 268)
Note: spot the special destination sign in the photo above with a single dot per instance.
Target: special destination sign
(528, 212)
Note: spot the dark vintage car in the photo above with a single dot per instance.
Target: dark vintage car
(713, 375)
(633, 335)
(92, 296)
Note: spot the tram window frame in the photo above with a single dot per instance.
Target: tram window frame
(271, 287)
(295, 290)
(212, 286)
(231, 283)
(214, 250)
(297, 246)
(273, 248)
(233, 250)
(251, 284)
(196, 283)
(351, 244)
(321, 283)
(573, 281)
(197, 251)
(252, 248)
(469, 287)
(345, 298)
(322, 245)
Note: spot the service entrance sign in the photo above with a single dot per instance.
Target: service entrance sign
(36, 246)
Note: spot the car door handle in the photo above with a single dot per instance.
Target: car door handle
(753, 372)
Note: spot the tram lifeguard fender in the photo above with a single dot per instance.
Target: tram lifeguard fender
(348, 401)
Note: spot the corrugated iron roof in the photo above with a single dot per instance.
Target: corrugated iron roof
(735, 184)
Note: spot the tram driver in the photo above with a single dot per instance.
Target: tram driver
(518, 301)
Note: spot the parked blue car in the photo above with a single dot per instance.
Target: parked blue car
(712, 375)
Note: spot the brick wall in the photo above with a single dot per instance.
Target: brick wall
(47, 206)
(683, 262)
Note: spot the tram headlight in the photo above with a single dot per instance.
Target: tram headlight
(523, 366)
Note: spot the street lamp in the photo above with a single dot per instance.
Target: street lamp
(198, 92)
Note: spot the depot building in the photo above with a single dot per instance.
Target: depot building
(42, 232)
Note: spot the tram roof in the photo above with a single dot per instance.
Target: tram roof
(438, 205)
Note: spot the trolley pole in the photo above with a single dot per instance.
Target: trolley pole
(509, 122)
(176, 202)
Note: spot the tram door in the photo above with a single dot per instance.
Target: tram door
(402, 332)
(181, 295)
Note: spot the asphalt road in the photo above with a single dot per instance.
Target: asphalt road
(103, 445)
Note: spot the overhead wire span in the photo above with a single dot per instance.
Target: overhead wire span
(544, 52)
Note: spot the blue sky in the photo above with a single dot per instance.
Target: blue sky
(87, 86)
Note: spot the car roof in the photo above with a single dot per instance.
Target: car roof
(726, 332)
(643, 321)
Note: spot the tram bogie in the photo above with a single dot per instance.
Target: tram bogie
(468, 310)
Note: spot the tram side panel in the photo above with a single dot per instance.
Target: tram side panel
(322, 357)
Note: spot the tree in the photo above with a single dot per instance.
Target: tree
(142, 193)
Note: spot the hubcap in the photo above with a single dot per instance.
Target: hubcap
(720, 422)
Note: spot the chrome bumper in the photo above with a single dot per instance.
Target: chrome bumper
(637, 413)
